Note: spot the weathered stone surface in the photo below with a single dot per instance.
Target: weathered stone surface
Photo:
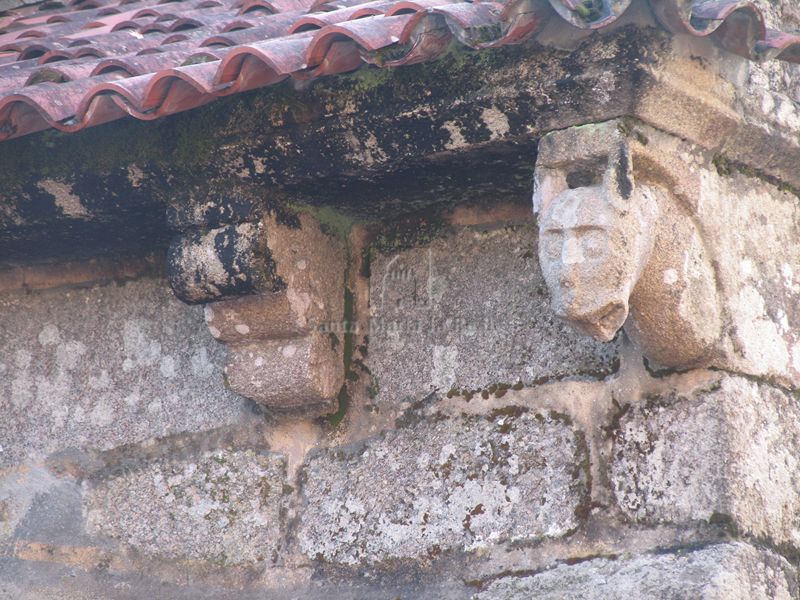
(608, 238)
(215, 206)
(221, 506)
(284, 352)
(446, 484)
(232, 260)
(105, 366)
(754, 229)
(255, 317)
(470, 310)
(311, 265)
(732, 571)
(33, 580)
(730, 455)
(290, 373)
(37, 506)
(706, 256)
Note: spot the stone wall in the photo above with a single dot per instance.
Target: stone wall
(482, 448)
(411, 407)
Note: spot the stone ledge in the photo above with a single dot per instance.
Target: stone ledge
(224, 507)
(733, 571)
(729, 455)
(511, 476)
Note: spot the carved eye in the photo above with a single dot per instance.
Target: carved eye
(594, 243)
(551, 242)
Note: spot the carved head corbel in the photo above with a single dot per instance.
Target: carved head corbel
(595, 230)
(614, 251)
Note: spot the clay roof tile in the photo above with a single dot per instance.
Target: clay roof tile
(93, 61)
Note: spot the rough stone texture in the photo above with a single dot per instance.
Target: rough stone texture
(105, 366)
(771, 89)
(609, 237)
(215, 206)
(37, 506)
(445, 484)
(730, 455)
(733, 571)
(311, 264)
(470, 310)
(706, 256)
(348, 131)
(42, 581)
(283, 352)
(293, 373)
(255, 317)
(754, 230)
(228, 261)
(222, 506)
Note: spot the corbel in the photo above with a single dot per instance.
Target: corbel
(620, 244)
(271, 287)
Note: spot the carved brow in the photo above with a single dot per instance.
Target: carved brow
(578, 228)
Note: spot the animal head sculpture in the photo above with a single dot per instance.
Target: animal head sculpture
(596, 236)
(616, 252)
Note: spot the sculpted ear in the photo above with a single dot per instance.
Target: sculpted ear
(618, 179)
(547, 184)
(596, 155)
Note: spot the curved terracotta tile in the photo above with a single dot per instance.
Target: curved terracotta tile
(277, 57)
(45, 105)
(593, 14)
(276, 6)
(411, 6)
(149, 59)
(320, 20)
(270, 27)
(60, 72)
(14, 75)
(784, 46)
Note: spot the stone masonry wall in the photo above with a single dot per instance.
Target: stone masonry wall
(416, 421)
(484, 451)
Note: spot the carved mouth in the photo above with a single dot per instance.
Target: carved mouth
(602, 324)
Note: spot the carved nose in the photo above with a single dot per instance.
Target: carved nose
(572, 253)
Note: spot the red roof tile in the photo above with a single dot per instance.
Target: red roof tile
(94, 61)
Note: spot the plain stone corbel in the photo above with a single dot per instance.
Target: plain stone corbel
(271, 291)
(619, 244)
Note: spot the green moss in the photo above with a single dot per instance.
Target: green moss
(366, 79)
(485, 34)
(349, 313)
(726, 167)
(373, 390)
(725, 522)
(98, 150)
(343, 397)
(589, 10)
(414, 230)
(390, 53)
(333, 222)
(187, 142)
(722, 165)
(334, 340)
(366, 262)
